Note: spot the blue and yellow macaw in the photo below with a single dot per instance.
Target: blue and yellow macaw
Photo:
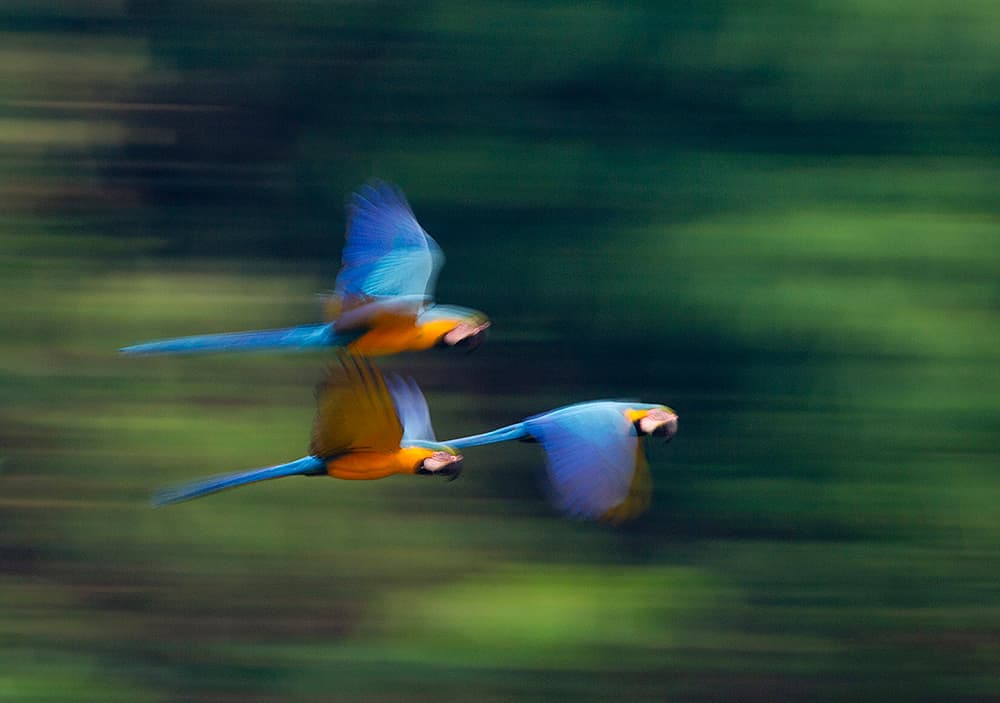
(365, 428)
(383, 298)
(595, 463)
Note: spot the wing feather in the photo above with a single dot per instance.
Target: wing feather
(354, 410)
(386, 253)
(592, 458)
(640, 493)
(411, 406)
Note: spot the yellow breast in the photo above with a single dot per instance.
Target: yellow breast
(368, 466)
(399, 337)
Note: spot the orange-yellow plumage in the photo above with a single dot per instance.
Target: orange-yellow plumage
(354, 411)
(357, 434)
(387, 329)
(375, 465)
(405, 335)
(356, 429)
(632, 414)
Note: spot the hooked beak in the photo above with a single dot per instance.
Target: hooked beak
(442, 464)
(466, 336)
(660, 423)
(452, 470)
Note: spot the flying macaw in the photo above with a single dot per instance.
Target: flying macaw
(383, 298)
(596, 466)
(365, 428)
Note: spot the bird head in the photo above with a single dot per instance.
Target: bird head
(659, 421)
(466, 335)
(464, 328)
(442, 464)
(436, 459)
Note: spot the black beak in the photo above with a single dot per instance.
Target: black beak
(667, 430)
(452, 470)
(472, 342)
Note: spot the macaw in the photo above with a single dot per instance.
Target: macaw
(595, 463)
(383, 297)
(366, 427)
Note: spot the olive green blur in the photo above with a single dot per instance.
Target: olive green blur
(781, 219)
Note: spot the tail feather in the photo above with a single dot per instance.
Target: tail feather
(301, 337)
(306, 466)
(502, 434)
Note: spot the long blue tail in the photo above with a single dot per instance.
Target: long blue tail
(301, 337)
(502, 434)
(306, 466)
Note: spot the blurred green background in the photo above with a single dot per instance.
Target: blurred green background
(780, 218)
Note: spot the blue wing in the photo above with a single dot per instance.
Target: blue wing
(592, 457)
(386, 252)
(594, 461)
(301, 337)
(306, 466)
(411, 407)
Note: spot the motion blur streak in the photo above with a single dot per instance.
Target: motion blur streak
(780, 217)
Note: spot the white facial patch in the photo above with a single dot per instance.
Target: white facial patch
(657, 419)
(462, 331)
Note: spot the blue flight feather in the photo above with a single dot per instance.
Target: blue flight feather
(411, 408)
(301, 337)
(591, 451)
(386, 252)
(306, 466)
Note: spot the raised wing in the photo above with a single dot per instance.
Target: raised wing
(593, 459)
(354, 411)
(386, 252)
(411, 407)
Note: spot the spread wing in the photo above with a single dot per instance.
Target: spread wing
(640, 492)
(593, 459)
(411, 408)
(386, 253)
(354, 410)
